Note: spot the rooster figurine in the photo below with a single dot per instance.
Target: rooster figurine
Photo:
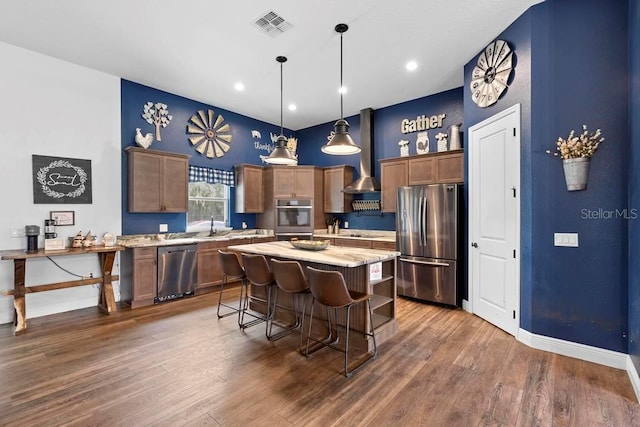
(143, 141)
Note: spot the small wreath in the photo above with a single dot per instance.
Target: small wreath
(42, 179)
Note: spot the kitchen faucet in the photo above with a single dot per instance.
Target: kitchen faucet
(212, 231)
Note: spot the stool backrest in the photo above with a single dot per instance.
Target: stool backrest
(257, 270)
(328, 287)
(289, 275)
(230, 264)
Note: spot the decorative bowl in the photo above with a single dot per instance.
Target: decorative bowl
(310, 245)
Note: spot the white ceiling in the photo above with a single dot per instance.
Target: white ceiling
(200, 48)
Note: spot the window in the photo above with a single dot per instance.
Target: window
(207, 201)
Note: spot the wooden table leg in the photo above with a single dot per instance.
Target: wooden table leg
(19, 304)
(107, 300)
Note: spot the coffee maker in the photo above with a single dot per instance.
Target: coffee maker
(32, 232)
(50, 229)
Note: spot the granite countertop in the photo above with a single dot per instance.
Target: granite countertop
(376, 235)
(172, 239)
(333, 255)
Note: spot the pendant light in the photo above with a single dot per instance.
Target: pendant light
(281, 154)
(341, 143)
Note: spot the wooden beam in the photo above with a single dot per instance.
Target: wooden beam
(61, 285)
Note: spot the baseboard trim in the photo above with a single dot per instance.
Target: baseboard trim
(601, 356)
(633, 377)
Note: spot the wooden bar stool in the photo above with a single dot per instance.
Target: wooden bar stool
(231, 269)
(330, 290)
(259, 275)
(290, 279)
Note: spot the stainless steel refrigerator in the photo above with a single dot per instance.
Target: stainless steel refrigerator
(428, 227)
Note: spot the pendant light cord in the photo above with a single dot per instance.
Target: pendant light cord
(281, 103)
(341, 85)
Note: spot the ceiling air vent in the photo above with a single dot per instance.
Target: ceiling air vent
(272, 24)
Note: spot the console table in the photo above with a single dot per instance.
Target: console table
(106, 256)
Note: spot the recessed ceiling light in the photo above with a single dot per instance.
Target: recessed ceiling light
(292, 107)
(342, 89)
(239, 87)
(411, 66)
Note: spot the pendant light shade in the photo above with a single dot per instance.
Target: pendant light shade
(281, 154)
(341, 143)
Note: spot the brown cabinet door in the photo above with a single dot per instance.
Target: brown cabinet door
(209, 269)
(450, 168)
(145, 171)
(174, 185)
(394, 175)
(144, 276)
(157, 181)
(335, 180)
(422, 171)
(283, 183)
(303, 183)
(249, 190)
(385, 246)
(353, 243)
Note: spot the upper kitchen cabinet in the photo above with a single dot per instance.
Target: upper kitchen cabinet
(293, 182)
(336, 178)
(249, 189)
(157, 181)
(394, 174)
(443, 167)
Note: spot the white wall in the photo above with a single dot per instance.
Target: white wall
(54, 108)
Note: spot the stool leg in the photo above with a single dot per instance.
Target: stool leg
(346, 344)
(313, 302)
(243, 290)
(271, 311)
(225, 281)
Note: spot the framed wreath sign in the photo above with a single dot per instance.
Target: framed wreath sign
(61, 180)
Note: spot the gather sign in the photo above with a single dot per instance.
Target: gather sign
(422, 123)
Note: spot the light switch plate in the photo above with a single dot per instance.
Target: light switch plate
(565, 239)
(164, 228)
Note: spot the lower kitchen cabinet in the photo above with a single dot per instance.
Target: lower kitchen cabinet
(138, 278)
(353, 243)
(209, 266)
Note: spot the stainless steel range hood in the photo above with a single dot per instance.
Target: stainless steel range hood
(366, 183)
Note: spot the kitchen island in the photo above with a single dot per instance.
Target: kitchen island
(365, 270)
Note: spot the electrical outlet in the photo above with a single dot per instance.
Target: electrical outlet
(565, 239)
(164, 228)
(17, 232)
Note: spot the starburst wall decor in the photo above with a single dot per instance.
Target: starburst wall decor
(208, 134)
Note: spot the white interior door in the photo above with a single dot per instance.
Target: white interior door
(494, 219)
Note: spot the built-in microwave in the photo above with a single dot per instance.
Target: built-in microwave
(294, 216)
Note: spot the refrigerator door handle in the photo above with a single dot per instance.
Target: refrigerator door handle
(424, 219)
(438, 264)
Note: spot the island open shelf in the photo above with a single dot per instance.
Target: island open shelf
(365, 270)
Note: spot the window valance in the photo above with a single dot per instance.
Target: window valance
(212, 176)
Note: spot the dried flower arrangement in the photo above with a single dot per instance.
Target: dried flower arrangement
(574, 147)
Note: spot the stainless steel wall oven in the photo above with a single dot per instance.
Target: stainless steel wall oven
(294, 216)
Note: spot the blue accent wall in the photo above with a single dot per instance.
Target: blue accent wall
(243, 148)
(634, 182)
(386, 135)
(174, 139)
(566, 77)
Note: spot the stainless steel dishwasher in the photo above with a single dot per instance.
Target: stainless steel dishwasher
(177, 271)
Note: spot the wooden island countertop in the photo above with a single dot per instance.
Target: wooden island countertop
(339, 256)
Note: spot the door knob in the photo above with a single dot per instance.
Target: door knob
(474, 244)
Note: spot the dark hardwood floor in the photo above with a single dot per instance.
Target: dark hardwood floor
(177, 364)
